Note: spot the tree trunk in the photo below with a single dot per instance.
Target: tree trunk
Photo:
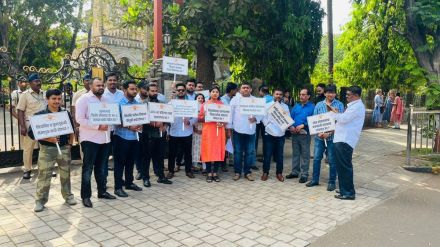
(72, 45)
(205, 64)
(330, 38)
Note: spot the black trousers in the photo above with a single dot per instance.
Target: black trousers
(153, 149)
(124, 153)
(343, 156)
(185, 144)
(94, 159)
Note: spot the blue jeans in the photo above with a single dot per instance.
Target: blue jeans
(273, 147)
(318, 155)
(343, 156)
(94, 159)
(124, 156)
(243, 144)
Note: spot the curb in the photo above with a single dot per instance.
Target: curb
(423, 169)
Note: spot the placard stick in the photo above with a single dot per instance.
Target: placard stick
(325, 142)
(217, 129)
(107, 138)
(174, 80)
(250, 124)
(58, 147)
(183, 123)
(137, 135)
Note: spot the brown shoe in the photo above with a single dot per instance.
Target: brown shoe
(236, 177)
(190, 175)
(170, 175)
(250, 177)
(264, 177)
(280, 177)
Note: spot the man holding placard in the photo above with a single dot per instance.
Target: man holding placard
(53, 133)
(300, 137)
(243, 123)
(324, 140)
(126, 139)
(94, 138)
(273, 138)
(348, 130)
(180, 136)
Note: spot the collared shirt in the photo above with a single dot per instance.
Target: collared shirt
(140, 100)
(270, 127)
(321, 108)
(77, 95)
(115, 97)
(87, 131)
(15, 96)
(300, 112)
(226, 99)
(124, 132)
(239, 122)
(191, 96)
(63, 140)
(268, 98)
(178, 129)
(31, 102)
(349, 124)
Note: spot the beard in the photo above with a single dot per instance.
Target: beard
(98, 93)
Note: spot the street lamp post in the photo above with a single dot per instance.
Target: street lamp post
(167, 42)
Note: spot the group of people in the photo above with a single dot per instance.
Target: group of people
(190, 141)
(389, 110)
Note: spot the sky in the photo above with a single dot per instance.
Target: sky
(341, 15)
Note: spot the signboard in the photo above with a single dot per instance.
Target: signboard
(104, 113)
(185, 108)
(279, 116)
(135, 114)
(51, 125)
(217, 113)
(321, 123)
(174, 65)
(161, 112)
(252, 106)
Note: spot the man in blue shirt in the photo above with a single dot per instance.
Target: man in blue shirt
(325, 140)
(300, 137)
(126, 146)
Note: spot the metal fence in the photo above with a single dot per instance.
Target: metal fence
(422, 135)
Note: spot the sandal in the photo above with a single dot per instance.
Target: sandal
(208, 179)
(216, 178)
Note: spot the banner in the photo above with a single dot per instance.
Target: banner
(279, 116)
(104, 113)
(217, 113)
(51, 125)
(321, 123)
(252, 106)
(174, 65)
(185, 108)
(161, 112)
(135, 114)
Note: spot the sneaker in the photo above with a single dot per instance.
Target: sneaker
(236, 176)
(249, 177)
(38, 207)
(27, 175)
(71, 201)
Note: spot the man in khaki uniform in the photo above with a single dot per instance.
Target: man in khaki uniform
(32, 101)
(22, 85)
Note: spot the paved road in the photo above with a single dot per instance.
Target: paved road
(193, 213)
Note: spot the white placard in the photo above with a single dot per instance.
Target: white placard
(185, 108)
(279, 116)
(252, 106)
(104, 113)
(135, 114)
(321, 123)
(174, 65)
(51, 125)
(217, 113)
(161, 112)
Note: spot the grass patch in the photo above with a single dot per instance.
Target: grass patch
(426, 155)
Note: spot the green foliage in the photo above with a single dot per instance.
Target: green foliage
(433, 96)
(375, 56)
(320, 73)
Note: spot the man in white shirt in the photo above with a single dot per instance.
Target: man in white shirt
(243, 136)
(273, 139)
(348, 130)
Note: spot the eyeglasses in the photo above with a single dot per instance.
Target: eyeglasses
(180, 90)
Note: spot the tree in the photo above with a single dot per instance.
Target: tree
(320, 73)
(22, 21)
(330, 38)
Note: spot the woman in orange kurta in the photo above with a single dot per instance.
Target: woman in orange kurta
(213, 139)
(397, 111)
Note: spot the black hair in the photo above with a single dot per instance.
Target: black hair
(51, 92)
(321, 85)
(278, 89)
(214, 87)
(142, 84)
(309, 93)
(200, 82)
(191, 80)
(355, 90)
(111, 74)
(330, 88)
(246, 83)
(180, 85)
(264, 89)
(197, 95)
(231, 86)
(127, 83)
(398, 94)
(150, 85)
